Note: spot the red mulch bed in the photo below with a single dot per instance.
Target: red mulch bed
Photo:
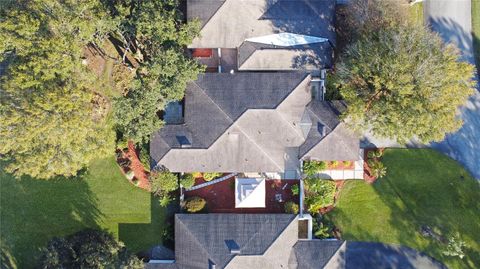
(202, 53)
(131, 153)
(367, 172)
(340, 166)
(220, 197)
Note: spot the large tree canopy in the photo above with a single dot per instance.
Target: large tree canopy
(88, 249)
(401, 82)
(158, 38)
(53, 121)
(47, 118)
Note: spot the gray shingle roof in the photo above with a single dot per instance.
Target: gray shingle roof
(256, 56)
(328, 138)
(317, 254)
(202, 9)
(214, 101)
(313, 254)
(204, 238)
(228, 24)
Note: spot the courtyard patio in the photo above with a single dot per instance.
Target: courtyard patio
(221, 196)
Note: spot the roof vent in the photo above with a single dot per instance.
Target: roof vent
(183, 141)
(233, 246)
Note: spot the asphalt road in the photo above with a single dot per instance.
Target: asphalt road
(452, 20)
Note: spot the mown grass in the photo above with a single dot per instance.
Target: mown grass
(33, 211)
(476, 32)
(422, 188)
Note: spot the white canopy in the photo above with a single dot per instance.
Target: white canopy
(287, 39)
(249, 192)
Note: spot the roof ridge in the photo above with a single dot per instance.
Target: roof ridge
(258, 146)
(283, 118)
(193, 236)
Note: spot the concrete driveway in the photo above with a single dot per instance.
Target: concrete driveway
(452, 20)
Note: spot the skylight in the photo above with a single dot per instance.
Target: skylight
(286, 39)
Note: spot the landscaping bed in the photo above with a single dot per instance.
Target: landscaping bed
(424, 199)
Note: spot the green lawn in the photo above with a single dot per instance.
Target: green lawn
(422, 187)
(476, 31)
(33, 211)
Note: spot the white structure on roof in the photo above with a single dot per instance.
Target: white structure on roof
(287, 39)
(249, 192)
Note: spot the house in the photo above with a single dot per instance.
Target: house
(217, 241)
(244, 117)
(253, 122)
(264, 35)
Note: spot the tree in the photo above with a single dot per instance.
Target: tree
(48, 126)
(155, 32)
(88, 249)
(402, 82)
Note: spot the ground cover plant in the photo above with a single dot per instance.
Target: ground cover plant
(424, 200)
(319, 193)
(34, 211)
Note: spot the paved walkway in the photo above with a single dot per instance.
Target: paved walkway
(452, 20)
(342, 174)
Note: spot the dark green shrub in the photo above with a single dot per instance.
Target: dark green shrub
(211, 176)
(310, 168)
(322, 228)
(295, 189)
(145, 156)
(187, 180)
(291, 208)
(195, 204)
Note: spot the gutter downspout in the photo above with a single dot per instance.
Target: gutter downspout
(301, 189)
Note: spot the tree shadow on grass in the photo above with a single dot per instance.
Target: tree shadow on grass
(140, 237)
(32, 211)
(424, 188)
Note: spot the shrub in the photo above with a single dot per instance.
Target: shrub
(374, 154)
(130, 175)
(136, 182)
(187, 180)
(333, 164)
(195, 204)
(197, 174)
(322, 228)
(319, 193)
(291, 208)
(210, 176)
(377, 168)
(145, 156)
(163, 182)
(310, 168)
(295, 189)
(124, 162)
(455, 247)
(347, 163)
